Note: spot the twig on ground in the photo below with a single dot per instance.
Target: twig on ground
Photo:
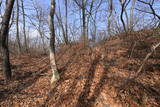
(147, 56)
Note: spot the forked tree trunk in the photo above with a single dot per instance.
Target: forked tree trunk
(55, 76)
(3, 35)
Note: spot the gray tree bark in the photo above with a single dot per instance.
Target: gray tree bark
(55, 76)
(24, 26)
(84, 22)
(109, 17)
(17, 27)
(3, 35)
(132, 15)
(66, 23)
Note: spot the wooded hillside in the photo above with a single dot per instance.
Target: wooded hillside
(79, 53)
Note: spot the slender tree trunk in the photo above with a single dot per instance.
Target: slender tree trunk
(7, 38)
(121, 16)
(28, 39)
(88, 18)
(3, 35)
(132, 14)
(66, 24)
(109, 17)
(124, 4)
(80, 16)
(0, 22)
(17, 27)
(127, 20)
(95, 27)
(0, 4)
(10, 25)
(55, 76)
(24, 27)
(42, 38)
(59, 18)
(84, 22)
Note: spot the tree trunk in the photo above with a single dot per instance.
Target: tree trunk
(84, 22)
(7, 36)
(109, 17)
(42, 38)
(17, 27)
(66, 24)
(3, 35)
(59, 18)
(95, 28)
(127, 20)
(121, 16)
(55, 76)
(88, 18)
(24, 27)
(132, 15)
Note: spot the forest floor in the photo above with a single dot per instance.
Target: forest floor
(98, 76)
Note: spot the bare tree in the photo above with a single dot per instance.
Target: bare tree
(154, 47)
(40, 22)
(150, 4)
(84, 20)
(55, 75)
(24, 26)
(124, 4)
(82, 6)
(61, 25)
(3, 35)
(109, 17)
(66, 23)
(10, 25)
(89, 15)
(17, 27)
(131, 25)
